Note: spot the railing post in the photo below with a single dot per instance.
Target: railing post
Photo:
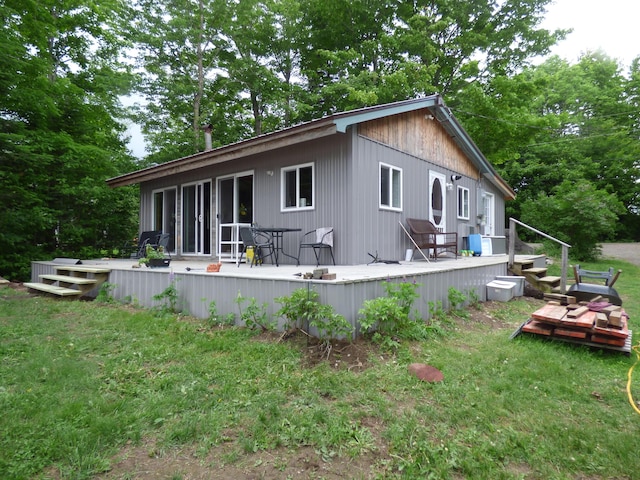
(565, 265)
(565, 249)
(512, 242)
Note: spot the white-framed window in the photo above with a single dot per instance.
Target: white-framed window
(463, 203)
(298, 187)
(390, 187)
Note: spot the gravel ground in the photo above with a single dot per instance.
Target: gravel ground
(629, 252)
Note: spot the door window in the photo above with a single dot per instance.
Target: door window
(437, 200)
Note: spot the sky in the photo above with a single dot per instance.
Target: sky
(610, 25)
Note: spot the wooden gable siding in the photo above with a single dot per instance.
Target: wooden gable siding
(416, 133)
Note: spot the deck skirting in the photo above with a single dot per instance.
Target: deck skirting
(353, 284)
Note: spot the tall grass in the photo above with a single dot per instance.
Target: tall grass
(79, 381)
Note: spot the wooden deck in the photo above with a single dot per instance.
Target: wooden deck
(352, 286)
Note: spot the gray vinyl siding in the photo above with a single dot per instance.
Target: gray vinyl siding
(378, 230)
(332, 196)
(346, 168)
(331, 193)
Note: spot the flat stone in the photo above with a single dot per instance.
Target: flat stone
(426, 373)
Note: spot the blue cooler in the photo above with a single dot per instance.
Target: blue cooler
(475, 244)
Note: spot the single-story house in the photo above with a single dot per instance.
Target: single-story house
(360, 172)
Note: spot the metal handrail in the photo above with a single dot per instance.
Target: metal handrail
(565, 249)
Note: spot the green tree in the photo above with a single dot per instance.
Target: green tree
(556, 122)
(61, 136)
(576, 213)
(178, 44)
(274, 63)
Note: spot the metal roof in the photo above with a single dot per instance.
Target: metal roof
(330, 125)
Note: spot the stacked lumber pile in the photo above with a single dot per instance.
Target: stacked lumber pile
(598, 323)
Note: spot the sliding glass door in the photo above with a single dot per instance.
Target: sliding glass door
(164, 214)
(196, 219)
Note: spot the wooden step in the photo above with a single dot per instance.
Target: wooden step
(82, 277)
(519, 265)
(538, 272)
(81, 268)
(53, 289)
(548, 284)
(69, 280)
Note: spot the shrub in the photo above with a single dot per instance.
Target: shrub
(303, 310)
(578, 214)
(389, 318)
(254, 315)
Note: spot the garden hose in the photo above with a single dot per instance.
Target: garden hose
(629, 375)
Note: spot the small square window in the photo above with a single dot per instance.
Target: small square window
(298, 189)
(390, 187)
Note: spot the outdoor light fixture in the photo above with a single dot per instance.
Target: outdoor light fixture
(270, 173)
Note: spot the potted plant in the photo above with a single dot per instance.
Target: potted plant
(154, 257)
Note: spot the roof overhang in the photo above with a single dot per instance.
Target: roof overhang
(263, 143)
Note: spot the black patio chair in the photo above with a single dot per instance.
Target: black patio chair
(318, 239)
(161, 242)
(150, 236)
(260, 242)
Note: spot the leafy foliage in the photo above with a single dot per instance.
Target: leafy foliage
(169, 299)
(251, 67)
(303, 310)
(253, 315)
(61, 132)
(561, 124)
(388, 319)
(578, 214)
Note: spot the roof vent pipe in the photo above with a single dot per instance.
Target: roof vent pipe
(208, 145)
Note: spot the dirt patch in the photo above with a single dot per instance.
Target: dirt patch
(147, 462)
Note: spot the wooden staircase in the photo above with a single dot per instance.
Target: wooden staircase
(536, 276)
(70, 280)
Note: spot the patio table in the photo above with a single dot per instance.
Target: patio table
(278, 234)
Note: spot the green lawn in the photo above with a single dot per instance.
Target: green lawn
(81, 382)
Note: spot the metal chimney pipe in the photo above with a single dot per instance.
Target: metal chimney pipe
(208, 144)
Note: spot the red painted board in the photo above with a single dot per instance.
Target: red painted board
(586, 320)
(618, 342)
(550, 313)
(567, 332)
(613, 332)
(538, 328)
